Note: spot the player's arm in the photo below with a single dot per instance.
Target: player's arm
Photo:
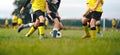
(87, 11)
(47, 8)
(22, 9)
(96, 5)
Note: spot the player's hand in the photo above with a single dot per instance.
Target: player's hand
(84, 15)
(92, 9)
(22, 10)
(48, 11)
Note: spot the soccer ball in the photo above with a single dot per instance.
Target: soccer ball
(59, 35)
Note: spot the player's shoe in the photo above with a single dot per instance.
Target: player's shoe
(85, 36)
(20, 28)
(100, 34)
(57, 34)
(27, 35)
(54, 33)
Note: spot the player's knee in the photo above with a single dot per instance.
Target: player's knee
(41, 18)
(84, 21)
(41, 24)
(93, 28)
(98, 23)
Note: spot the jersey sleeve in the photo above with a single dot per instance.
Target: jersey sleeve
(27, 1)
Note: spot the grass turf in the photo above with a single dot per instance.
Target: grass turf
(13, 43)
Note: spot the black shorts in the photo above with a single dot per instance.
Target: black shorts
(114, 25)
(52, 16)
(94, 15)
(37, 14)
(14, 24)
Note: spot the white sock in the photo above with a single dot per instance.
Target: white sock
(55, 29)
(30, 24)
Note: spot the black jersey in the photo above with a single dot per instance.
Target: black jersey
(53, 6)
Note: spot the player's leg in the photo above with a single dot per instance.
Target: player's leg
(113, 27)
(93, 28)
(85, 28)
(85, 20)
(56, 27)
(41, 23)
(60, 24)
(57, 24)
(32, 29)
(95, 16)
(98, 28)
(23, 26)
(34, 25)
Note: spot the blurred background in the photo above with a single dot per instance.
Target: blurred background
(70, 10)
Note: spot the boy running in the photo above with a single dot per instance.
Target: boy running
(52, 11)
(39, 8)
(93, 12)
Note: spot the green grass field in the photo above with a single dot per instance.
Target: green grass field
(13, 43)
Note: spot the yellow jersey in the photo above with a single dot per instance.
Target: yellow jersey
(113, 22)
(92, 4)
(20, 21)
(14, 19)
(6, 22)
(39, 5)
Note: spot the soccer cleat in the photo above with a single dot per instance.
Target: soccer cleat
(58, 34)
(27, 35)
(100, 34)
(20, 28)
(85, 36)
(42, 37)
(54, 33)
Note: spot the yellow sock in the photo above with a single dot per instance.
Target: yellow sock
(41, 30)
(86, 29)
(113, 28)
(97, 28)
(32, 29)
(14, 28)
(93, 34)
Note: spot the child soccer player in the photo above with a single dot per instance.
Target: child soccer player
(52, 16)
(114, 23)
(6, 23)
(52, 11)
(93, 12)
(14, 21)
(39, 8)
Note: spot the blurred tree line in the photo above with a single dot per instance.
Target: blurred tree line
(26, 15)
(74, 22)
